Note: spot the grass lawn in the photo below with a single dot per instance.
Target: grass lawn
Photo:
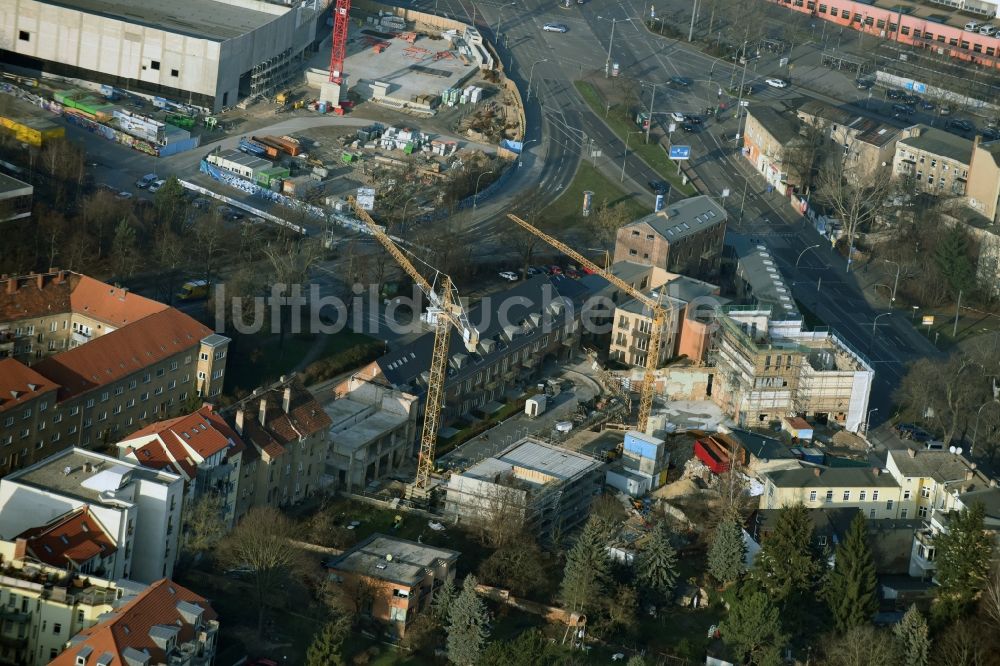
(262, 360)
(654, 155)
(567, 211)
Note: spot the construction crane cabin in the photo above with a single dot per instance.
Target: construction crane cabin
(447, 305)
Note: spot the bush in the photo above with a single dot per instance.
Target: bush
(330, 367)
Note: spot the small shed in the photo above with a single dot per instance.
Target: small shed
(797, 427)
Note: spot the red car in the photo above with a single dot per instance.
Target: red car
(587, 271)
(572, 273)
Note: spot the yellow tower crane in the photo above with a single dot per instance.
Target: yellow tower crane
(660, 316)
(447, 306)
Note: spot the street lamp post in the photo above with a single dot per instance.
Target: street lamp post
(607, 63)
(500, 19)
(652, 100)
(402, 221)
(895, 283)
(524, 144)
(531, 75)
(625, 158)
(975, 430)
(868, 419)
(875, 321)
(475, 198)
(811, 247)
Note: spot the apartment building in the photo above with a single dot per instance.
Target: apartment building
(686, 237)
(753, 278)
(373, 433)
(929, 480)
(519, 328)
(164, 624)
(39, 617)
(936, 160)
(682, 332)
(872, 491)
(400, 577)
(109, 361)
(768, 368)
(15, 199)
(768, 136)
(119, 519)
(546, 487)
(983, 187)
(868, 145)
(286, 435)
(199, 447)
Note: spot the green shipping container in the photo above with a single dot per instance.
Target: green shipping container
(408, 148)
(346, 158)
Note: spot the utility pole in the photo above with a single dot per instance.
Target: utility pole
(958, 308)
(652, 100)
(607, 63)
(694, 13)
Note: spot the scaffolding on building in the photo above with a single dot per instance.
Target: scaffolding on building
(268, 77)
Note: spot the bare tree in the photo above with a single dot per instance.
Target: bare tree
(962, 644)
(606, 221)
(262, 542)
(989, 602)
(210, 237)
(204, 524)
(853, 192)
(502, 516)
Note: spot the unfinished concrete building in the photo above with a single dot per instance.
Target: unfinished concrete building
(767, 368)
(373, 432)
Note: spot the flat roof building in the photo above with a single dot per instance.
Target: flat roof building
(15, 198)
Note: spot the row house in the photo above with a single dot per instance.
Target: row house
(937, 161)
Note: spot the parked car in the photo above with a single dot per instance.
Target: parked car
(694, 120)
(509, 275)
(864, 84)
(776, 83)
(689, 128)
(927, 105)
(892, 93)
(146, 181)
(555, 27)
(659, 186)
(902, 109)
(534, 270)
(155, 186)
(944, 110)
(961, 125)
(677, 117)
(990, 134)
(680, 81)
(124, 195)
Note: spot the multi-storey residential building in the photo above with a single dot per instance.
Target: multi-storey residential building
(115, 360)
(983, 187)
(286, 433)
(923, 556)
(767, 138)
(873, 491)
(200, 447)
(768, 368)
(135, 513)
(40, 617)
(929, 480)
(15, 198)
(936, 160)
(548, 488)
(682, 332)
(867, 144)
(372, 434)
(164, 624)
(685, 237)
(518, 328)
(398, 577)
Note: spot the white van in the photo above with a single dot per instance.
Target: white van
(987, 30)
(972, 26)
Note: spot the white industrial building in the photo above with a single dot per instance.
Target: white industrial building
(205, 53)
(138, 508)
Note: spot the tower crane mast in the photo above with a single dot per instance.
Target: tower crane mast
(338, 50)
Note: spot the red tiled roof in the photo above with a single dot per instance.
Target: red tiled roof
(169, 455)
(113, 305)
(203, 431)
(28, 300)
(115, 355)
(305, 417)
(19, 384)
(129, 626)
(74, 537)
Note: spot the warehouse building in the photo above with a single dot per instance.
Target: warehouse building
(205, 53)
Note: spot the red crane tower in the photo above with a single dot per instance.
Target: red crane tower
(341, 17)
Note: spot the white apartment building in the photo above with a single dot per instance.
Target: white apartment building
(137, 507)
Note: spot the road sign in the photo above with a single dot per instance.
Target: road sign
(680, 152)
(927, 320)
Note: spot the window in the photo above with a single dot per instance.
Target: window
(159, 372)
(871, 513)
(888, 505)
(146, 378)
(43, 406)
(174, 73)
(903, 512)
(201, 375)
(74, 410)
(56, 628)
(24, 35)
(862, 495)
(829, 496)
(145, 396)
(632, 253)
(216, 374)
(922, 512)
(812, 496)
(8, 422)
(925, 492)
(154, 64)
(874, 495)
(27, 414)
(847, 495)
(132, 384)
(906, 494)
(204, 356)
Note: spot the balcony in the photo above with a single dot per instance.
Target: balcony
(79, 338)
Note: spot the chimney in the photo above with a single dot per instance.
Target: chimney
(286, 400)
(970, 475)
(20, 549)
(239, 421)
(912, 453)
(12, 285)
(40, 280)
(263, 411)
(817, 471)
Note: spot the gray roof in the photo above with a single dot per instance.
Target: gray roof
(680, 290)
(553, 461)
(205, 19)
(760, 446)
(389, 558)
(684, 218)
(824, 477)
(759, 269)
(355, 424)
(938, 142)
(13, 185)
(989, 498)
(404, 366)
(942, 466)
(783, 127)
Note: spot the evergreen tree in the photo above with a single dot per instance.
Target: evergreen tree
(635, 660)
(963, 561)
(753, 628)
(656, 563)
(442, 601)
(325, 650)
(467, 632)
(952, 259)
(912, 642)
(585, 576)
(851, 589)
(529, 648)
(728, 550)
(787, 565)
